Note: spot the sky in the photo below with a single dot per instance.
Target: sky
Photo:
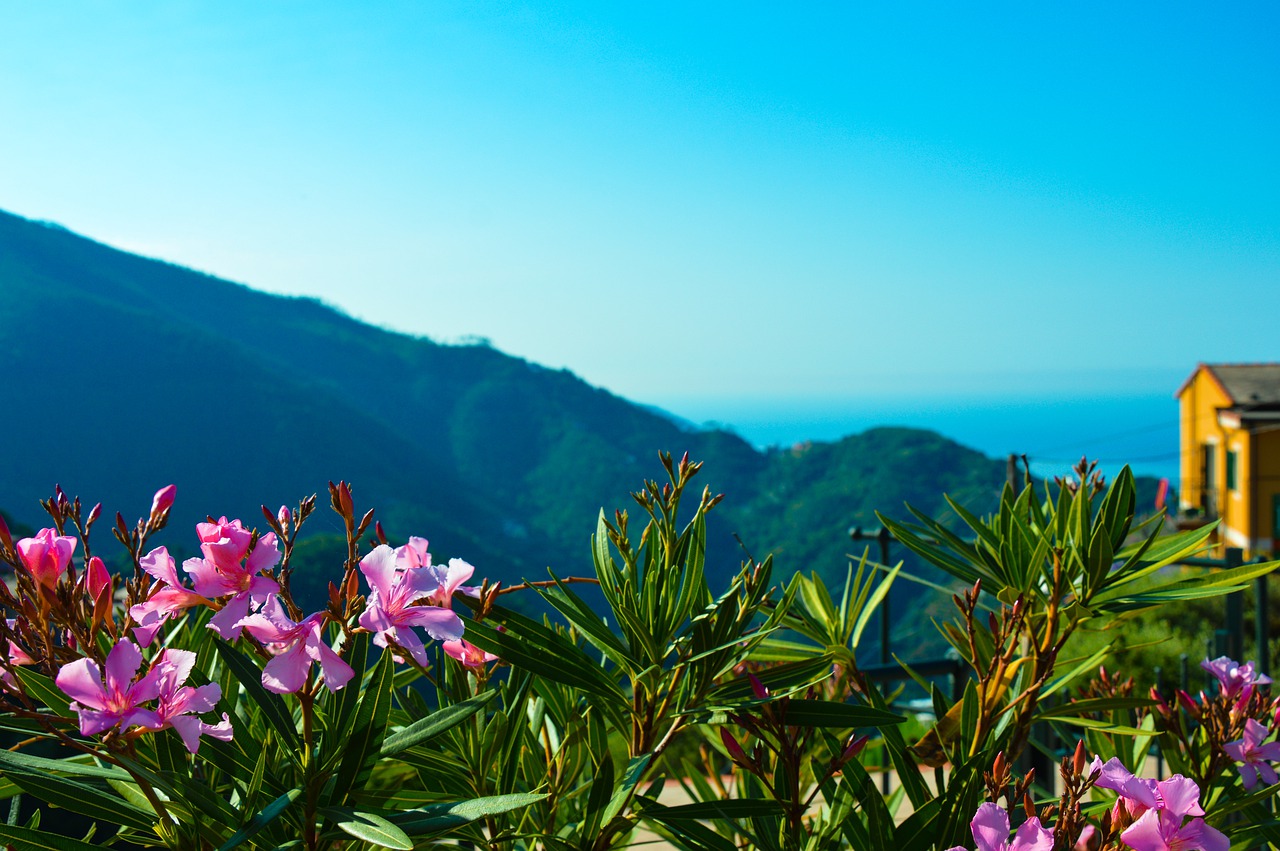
(701, 205)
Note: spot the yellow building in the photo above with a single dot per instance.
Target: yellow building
(1230, 448)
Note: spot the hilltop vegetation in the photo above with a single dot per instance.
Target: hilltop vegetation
(132, 373)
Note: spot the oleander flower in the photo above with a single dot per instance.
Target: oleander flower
(1163, 830)
(1254, 757)
(391, 613)
(1234, 678)
(990, 827)
(46, 556)
(229, 568)
(467, 653)
(116, 700)
(294, 646)
(17, 656)
(167, 601)
(179, 705)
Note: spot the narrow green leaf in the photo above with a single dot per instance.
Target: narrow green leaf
(827, 713)
(733, 808)
(440, 721)
(437, 818)
(369, 827)
(268, 814)
(272, 706)
(82, 798)
(365, 740)
(42, 689)
(26, 839)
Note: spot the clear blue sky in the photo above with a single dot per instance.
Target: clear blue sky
(692, 200)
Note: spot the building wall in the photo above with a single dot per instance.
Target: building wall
(1266, 441)
(1199, 404)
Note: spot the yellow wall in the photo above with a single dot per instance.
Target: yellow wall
(1267, 487)
(1246, 513)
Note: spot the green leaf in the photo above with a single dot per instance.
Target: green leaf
(827, 713)
(26, 839)
(1100, 704)
(630, 779)
(42, 689)
(268, 814)
(273, 708)
(437, 818)
(19, 761)
(734, 808)
(364, 743)
(540, 650)
(440, 721)
(369, 827)
(581, 615)
(82, 798)
(872, 605)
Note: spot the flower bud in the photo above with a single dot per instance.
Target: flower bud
(854, 747)
(284, 516)
(94, 514)
(96, 578)
(758, 688)
(1078, 759)
(736, 753)
(163, 500)
(5, 537)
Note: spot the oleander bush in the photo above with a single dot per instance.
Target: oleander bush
(203, 706)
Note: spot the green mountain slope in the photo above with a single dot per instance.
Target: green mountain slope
(125, 373)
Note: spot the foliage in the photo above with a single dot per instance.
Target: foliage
(229, 717)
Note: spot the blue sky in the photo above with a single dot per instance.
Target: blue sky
(692, 201)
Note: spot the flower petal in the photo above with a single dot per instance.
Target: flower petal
(81, 680)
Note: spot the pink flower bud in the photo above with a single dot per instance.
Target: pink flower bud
(758, 688)
(163, 500)
(736, 753)
(93, 514)
(96, 578)
(854, 747)
(5, 537)
(284, 516)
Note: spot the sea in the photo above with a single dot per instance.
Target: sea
(1053, 432)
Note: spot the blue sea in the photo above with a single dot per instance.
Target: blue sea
(1138, 430)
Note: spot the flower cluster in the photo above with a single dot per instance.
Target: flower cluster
(119, 694)
(1148, 815)
(1229, 729)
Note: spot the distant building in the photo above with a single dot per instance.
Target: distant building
(1230, 449)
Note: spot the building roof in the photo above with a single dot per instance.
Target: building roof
(1248, 385)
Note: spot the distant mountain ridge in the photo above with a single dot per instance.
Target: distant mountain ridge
(126, 373)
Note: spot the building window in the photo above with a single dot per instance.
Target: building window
(1233, 465)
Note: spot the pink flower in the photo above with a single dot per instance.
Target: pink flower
(166, 601)
(117, 700)
(1233, 677)
(295, 646)
(1137, 794)
(397, 580)
(46, 556)
(467, 653)
(230, 569)
(1253, 756)
(179, 705)
(449, 579)
(17, 656)
(1163, 830)
(990, 828)
(163, 500)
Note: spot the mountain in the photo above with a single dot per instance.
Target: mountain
(125, 373)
